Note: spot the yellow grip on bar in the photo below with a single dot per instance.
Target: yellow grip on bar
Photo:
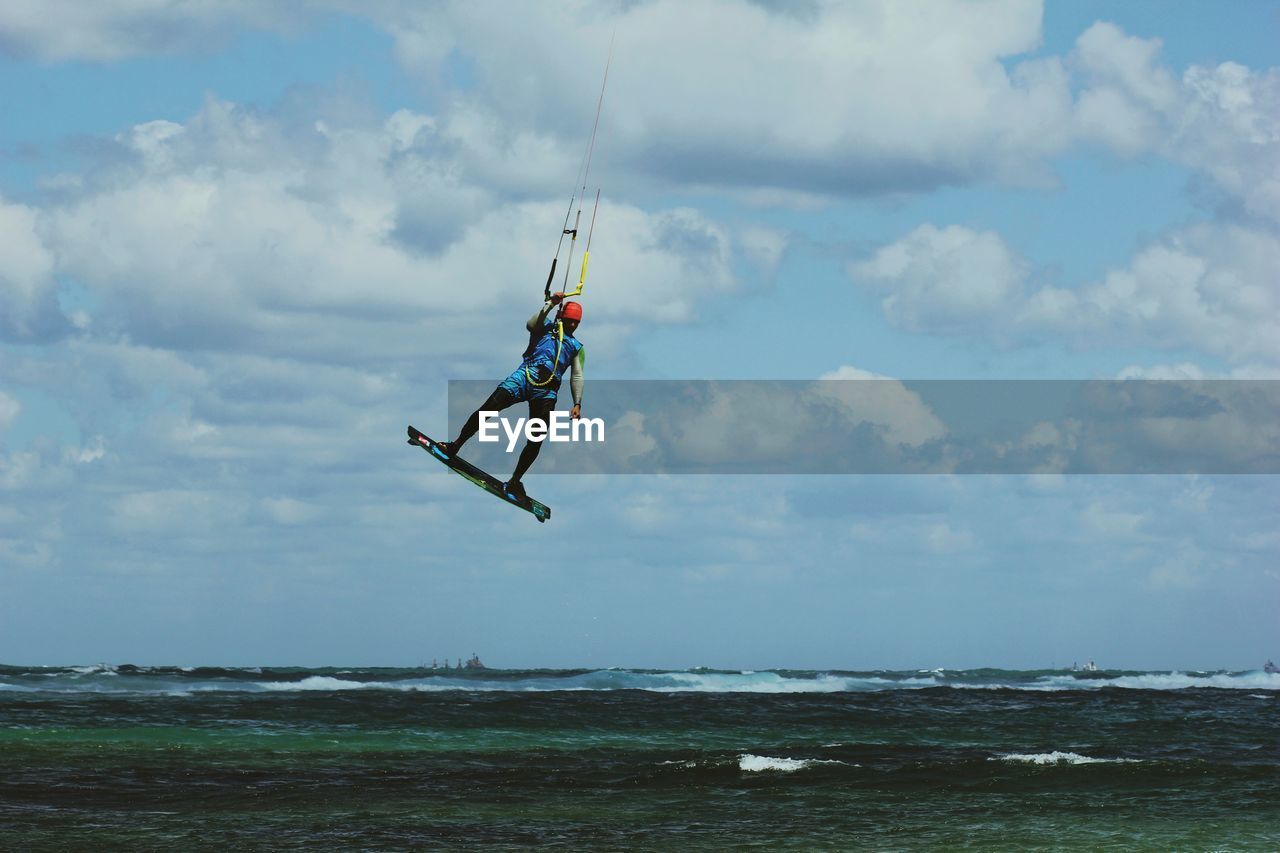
(586, 256)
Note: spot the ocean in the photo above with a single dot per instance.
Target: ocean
(167, 758)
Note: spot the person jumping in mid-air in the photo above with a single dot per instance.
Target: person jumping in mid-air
(552, 349)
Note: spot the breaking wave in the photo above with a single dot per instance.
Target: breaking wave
(761, 763)
(188, 680)
(1060, 758)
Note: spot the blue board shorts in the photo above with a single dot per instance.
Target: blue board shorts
(521, 389)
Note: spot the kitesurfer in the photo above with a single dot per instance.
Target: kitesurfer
(552, 349)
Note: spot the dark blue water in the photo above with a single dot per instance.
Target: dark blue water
(151, 758)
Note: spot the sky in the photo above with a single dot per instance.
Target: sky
(245, 243)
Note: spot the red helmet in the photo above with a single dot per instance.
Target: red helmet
(571, 311)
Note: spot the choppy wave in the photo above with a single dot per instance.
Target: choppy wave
(1057, 757)
(762, 763)
(320, 682)
(1256, 680)
(190, 680)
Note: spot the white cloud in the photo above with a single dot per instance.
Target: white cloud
(90, 454)
(18, 470)
(832, 99)
(1183, 370)
(1224, 121)
(1112, 522)
(258, 327)
(9, 410)
(942, 538)
(71, 30)
(1184, 570)
(763, 247)
(944, 279)
(289, 511)
(1187, 370)
(927, 535)
(240, 230)
(1128, 90)
(887, 403)
(1229, 129)
(269, 292)
(1209, 287)
(28, 302)
(168, 511)
(828, 99)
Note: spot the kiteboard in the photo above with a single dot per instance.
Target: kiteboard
(482, 479)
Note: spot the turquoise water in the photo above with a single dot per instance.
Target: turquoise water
(214, 758)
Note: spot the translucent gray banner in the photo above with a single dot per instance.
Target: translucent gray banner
(902, 427)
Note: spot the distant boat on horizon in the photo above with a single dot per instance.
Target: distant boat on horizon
(1271, 668)
(473, 662)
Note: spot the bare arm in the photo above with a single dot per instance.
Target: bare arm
(540, 316)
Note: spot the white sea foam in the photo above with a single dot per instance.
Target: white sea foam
(772, 682)
(1142, 681)
(674, 682)
(759, 763)
(1183, 681)
(96, 669)
(1059, 758)
(769, 682)
(107, 679)
(316, 682)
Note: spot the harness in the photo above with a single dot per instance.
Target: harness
(554, 365)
